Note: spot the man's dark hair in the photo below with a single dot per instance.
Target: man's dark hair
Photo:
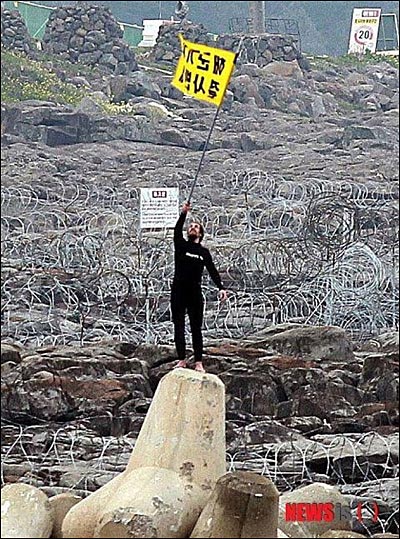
(201, 232)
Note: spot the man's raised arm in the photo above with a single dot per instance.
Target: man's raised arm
(178, 231)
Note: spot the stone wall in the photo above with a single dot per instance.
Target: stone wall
(14, 33)
(167, 48)
(91, 36)
(260, 50)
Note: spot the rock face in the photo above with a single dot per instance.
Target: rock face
(82, 384)
(91, 36)
(14, 33)
(311, 343)
(292, 247)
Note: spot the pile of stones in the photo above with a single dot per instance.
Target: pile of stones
(260, 50)
(91, 36)
(14, 33)
(168, 48)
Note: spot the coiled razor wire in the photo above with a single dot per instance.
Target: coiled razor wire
(76, 267)
(85, 460)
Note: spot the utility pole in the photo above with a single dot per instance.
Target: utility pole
(257, 17)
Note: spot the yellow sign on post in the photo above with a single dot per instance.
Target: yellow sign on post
(204, 72)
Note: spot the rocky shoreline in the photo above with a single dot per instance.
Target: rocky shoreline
(320, 415)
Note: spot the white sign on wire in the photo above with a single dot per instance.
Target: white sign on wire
(364, 30)
(159, 208)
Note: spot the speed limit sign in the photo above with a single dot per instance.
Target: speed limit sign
(364, 30)
(364, 35)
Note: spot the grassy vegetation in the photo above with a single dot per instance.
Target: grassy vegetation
(352, 60)
(63, 64)
(23, 78)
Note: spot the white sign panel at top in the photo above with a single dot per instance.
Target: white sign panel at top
(159, 208)
(364, 30)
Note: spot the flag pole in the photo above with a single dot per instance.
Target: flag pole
(218, 87)
(204, 153)
(210, 133)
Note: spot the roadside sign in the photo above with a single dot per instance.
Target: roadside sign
(159, 207)
(364, 30)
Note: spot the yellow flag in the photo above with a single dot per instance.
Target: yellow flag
(204, 72)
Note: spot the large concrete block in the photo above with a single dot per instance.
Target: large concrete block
(25, 512)
(184, 429)
(243, 504)
(62, 504)
(151, 502)
(184, 432)
(82, 519)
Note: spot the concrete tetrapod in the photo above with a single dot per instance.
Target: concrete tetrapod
(82, 519)
(184, 432)
(151, 502)
(243, 504)
(184, 429)
(61, 504)
(25, 512)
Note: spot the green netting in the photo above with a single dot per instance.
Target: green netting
(132, 34)
(36, 16)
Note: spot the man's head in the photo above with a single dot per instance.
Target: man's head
(195, 232)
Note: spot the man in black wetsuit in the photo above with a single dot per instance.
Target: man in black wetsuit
(190, 259)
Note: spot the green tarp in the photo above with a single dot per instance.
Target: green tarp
(35, 17)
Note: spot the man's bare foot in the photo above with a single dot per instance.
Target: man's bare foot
(181, 365)
(199, 367)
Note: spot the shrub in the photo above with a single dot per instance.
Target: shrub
(23, 78)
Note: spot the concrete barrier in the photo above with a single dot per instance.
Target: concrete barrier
(184, 432)
(184, 429)
(243, 504)
(25, 512)
(82, 519)
(151, 502)
(61, 504)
